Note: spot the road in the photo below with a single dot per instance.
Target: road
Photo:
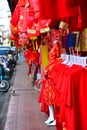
(4, 102)
(5, 97)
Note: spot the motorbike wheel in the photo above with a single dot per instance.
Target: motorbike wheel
(4, 86)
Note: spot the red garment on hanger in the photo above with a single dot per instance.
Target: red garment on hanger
(73, 95)
(82, 113)
(22, 25)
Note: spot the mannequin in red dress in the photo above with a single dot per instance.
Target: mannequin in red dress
(49, 88)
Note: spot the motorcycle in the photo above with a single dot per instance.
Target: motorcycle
(4, 79)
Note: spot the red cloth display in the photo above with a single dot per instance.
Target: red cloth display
(32, 19)
(23, 39)
(49, 85)
(70, 91)
(15, 17)
(30, 13)
(14, 30)
(22, 3)
(57, 9)
(69, 85)
(27, 53)
(12, 37)
(22, 25)
(82, 113)
(44, 106)
(83, 11)
(31, 55)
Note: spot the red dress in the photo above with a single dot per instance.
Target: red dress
(47, 94)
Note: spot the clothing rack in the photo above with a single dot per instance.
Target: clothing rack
(75, 59)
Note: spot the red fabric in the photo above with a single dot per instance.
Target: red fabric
(57, 9)
(72, 20)
(83, 10)
(31, 56)
(14, 30)
(79, 21)
(43, 23)
(15, 17)
(27, 53)
(59, 125)
(49, 83)
(22, 25)
(70, 11)
(12, 37)
(79, 113)
(82, 113)
(61, 68)
(73, 97)
(34, 56)
(34, 25)
(55, 52)
(72, 92)
(44, 106)
(23, 40)
(22, 3)
(16, 44)
(32, 19)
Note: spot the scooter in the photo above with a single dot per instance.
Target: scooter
(4, 80)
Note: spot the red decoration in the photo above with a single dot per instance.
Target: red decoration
(15, 17)
(12, 37)
(14, 30)
(58, 9)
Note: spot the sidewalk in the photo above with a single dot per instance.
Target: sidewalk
(24, 110)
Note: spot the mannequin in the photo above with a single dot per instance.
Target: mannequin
(54, 55)
(47, 94)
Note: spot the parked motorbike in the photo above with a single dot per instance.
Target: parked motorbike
(4, 75)
(8, 64)
(4, 80)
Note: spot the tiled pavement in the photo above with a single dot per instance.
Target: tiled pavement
(24, 110)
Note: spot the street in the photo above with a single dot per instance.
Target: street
(4, 102)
